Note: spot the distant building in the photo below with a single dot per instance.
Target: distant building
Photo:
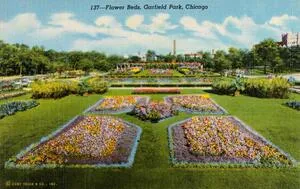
(290, 39)
(142, 56)
(193, 55)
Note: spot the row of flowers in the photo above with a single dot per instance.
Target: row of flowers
(201, 104)
(214, 139)
(127, 71)
(196, 104)
(154, 111)
(11, 94)
(156, 91)
(161, 80)
(86, 140)
(161, 71)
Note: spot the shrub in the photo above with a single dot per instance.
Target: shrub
(54, 89)
(224, 86)
(293, 104)
(97, 85)
(267, 88)
(83, 88)
(11, 108)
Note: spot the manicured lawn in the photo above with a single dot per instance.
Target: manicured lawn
(152, 169)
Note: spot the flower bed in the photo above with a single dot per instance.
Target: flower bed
(11, 108)
(135, 70)
(116, 104)
(96, 141)
(9, 85)
(154, 111)
(156, 91)
(196, 104)
(160, 72)
(11, 94)
(226, 141)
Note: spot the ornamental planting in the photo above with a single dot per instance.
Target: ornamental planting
(215, 141)
(195, 104)
(98, 141)
(116, 104)
(161, 72)
(154, 110)
(154, 90)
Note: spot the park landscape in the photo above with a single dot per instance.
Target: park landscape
(213, 131)
(87, 119)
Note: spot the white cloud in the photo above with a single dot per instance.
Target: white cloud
(159, 23)
(242, 31)
(282, 20)
(139, 36)
(107, 22)
(19, 25)
(65, 23)
(204, 30)
(134, 21)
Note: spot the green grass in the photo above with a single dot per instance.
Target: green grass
(152, 169)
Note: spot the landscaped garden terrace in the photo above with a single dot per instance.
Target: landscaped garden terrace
(208, 151)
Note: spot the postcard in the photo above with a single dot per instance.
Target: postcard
(149, 94)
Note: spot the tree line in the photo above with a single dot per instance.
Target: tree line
(20, 59)
(267, 55)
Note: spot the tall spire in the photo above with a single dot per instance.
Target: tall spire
(174, 47)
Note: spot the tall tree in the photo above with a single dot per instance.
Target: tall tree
(221, 61)
(235, 56)
(267, 54)
(150, 56)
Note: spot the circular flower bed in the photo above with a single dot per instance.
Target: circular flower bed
(154, 111)
(222, 140)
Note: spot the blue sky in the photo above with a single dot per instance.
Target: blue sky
(71, 25)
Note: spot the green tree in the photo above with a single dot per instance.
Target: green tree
(207, 60)
(150, 56)
(85, 65)
(235, 56)
(267, 54)
(221, 62)
(134, 59)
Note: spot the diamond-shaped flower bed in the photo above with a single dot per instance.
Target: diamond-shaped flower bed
(86, 141)
(222, 141)
(154, 111)
(201, 104)
(116, 104)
